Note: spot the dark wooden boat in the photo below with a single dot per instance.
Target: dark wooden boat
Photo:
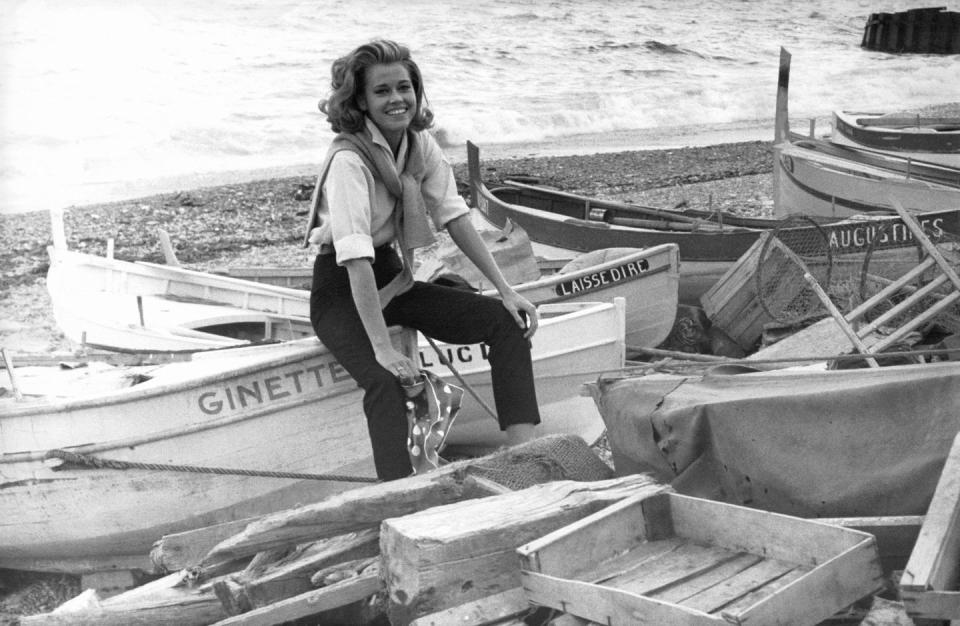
(561, 225)
(925, 138)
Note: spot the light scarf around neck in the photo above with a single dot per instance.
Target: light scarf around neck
(409, 213)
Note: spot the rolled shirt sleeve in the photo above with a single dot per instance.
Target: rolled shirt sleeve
(346, 196)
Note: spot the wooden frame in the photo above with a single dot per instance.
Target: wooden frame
(688, 561)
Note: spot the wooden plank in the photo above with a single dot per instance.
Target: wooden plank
(579, 545)
(773, 535)
(896, 535)
(610, 606)
(177, 551)
(743, 603)
(679, 565)
(824, 337)
(935, 561)
(682, 590)
(292, 575)
(310, 603)
(167, 601)
(739, 584)
(940, 605)
(631, 560)
(838, 316)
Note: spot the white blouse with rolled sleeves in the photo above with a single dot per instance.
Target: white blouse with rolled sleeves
(356, 228)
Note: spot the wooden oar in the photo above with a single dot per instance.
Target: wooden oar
(592, 203)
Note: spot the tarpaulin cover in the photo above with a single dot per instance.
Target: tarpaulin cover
(860, 442)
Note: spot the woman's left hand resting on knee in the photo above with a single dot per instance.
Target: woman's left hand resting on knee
(468, 240)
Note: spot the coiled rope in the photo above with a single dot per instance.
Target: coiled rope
(74, 459)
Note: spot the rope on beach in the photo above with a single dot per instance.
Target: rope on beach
(74, 459)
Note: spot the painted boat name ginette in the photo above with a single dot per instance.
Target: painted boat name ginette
(599, 279)
(272, 388)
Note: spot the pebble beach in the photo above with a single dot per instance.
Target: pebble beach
(260, 222)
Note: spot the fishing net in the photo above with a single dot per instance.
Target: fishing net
(556, 457)
(852, 261)
(797, 246)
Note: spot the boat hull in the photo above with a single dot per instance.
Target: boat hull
(573, 344)
(647, 279)
(817, 184)
(923, 143)
(107, 303)
(288, 408)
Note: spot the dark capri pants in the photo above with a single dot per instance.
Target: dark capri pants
(444, 313)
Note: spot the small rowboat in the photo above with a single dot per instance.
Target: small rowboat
(923, 138)
(144, 307)
(561, 225)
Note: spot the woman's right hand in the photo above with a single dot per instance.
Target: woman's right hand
(398, 364)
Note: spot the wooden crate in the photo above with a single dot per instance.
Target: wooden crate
(735, 304)
(675, 559)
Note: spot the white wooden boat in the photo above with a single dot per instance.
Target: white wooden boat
(933, 139)
(143, 307)
(647, 279)
(819, 178)
(573, 344)
(803, 441)
(118, 305)
(282, 407)
(275, 407)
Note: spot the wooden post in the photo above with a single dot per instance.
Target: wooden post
(11, 374)
(169, 255)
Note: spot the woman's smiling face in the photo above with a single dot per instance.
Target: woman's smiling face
(389, 99)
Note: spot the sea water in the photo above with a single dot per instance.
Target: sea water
(111, 99)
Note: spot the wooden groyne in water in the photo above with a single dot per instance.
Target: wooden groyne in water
(930, 31)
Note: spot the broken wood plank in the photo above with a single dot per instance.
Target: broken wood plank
(934, 564)
(365, 507)
(431, 564)
(291, 575)
(310, 603)
(177, 551)
(167, 601)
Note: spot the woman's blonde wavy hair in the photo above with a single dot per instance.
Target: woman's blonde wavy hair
(348, 74)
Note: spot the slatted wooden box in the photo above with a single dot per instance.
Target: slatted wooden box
(675, 559)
